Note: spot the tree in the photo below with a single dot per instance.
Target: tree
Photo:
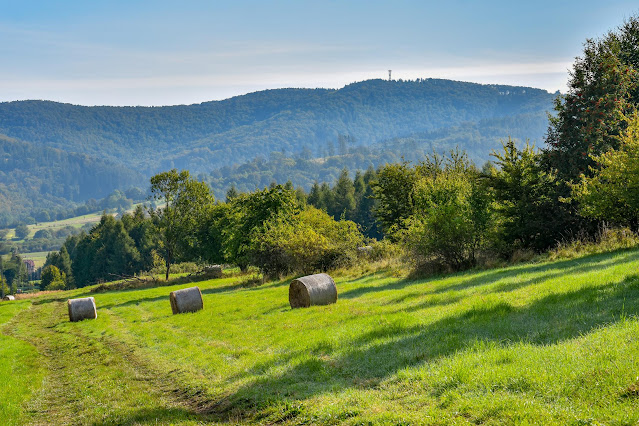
(231, 193)
(52, 279)
(22, 231)
(612, 192)
(452, 214)
(141, 230)
(344, 201)
(393, 188)
(248, 214)
(528, 212)
(186, 202)
(602, 90)
(107, 251)
(43, 234)
(306, 242)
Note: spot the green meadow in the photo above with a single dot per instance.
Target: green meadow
(539, 343)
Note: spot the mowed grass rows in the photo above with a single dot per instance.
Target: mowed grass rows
(552, 343)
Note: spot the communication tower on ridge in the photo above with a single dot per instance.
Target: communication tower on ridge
(389, 75)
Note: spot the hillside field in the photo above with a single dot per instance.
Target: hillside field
(545, 343)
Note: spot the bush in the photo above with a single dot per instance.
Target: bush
(451, 220)
(52, 279)
(307, 242)
(22, 232)
(43, 234)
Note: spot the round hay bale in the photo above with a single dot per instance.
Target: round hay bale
(81, 309)
(311, 290)
(213, 271)
(186, 300)
(8, 297)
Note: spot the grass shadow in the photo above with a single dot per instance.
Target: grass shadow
(382, 352)
(153, 416)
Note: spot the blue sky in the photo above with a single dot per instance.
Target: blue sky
(165, 53)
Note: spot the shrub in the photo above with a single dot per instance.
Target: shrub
(451, 219)
(52, 279)
(307, 242)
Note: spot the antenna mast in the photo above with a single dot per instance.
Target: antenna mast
(389, 75)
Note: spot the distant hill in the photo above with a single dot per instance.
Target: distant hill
(375, 117)
(34, 177)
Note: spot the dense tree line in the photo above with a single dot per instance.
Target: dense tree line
(273, 229)
(13, 274)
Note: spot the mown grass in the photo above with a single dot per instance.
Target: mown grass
(21, 371)
(549, 343)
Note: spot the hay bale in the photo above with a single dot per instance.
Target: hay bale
(186, 300)
(8, 297)
(311, 290)
(81, 309)
(213, 271)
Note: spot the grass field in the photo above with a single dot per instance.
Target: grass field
(549, 343)
(38, 257)
(76, 222)
(21, 372)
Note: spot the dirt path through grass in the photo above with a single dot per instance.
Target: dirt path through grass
(94, 380)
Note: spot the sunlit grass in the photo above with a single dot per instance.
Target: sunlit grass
(549, 343)
(21, 371)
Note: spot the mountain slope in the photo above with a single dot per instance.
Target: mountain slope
(35, 177)
(212, 134)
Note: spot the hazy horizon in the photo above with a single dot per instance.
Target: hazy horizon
(153, 54)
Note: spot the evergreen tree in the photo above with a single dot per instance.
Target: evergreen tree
(344, 198)
(603, 88)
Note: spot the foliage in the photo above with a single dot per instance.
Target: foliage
(186, 200)
(307, 242)
(14, 271)
(602, 90)
(452, 214)
(393, 188)
(527, 210)
(106, 252)
(52, 279)
(610, 192)
(62, 261)
(247, 216)
(22, 231)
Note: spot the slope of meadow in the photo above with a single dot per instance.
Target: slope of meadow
(550, 343)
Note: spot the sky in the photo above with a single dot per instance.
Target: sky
(184, 52)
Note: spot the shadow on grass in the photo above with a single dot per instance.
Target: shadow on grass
(384, 351)
(479, 278)
(152, 416)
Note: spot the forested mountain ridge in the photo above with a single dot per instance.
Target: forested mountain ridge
(204, 136)
(36, 177)
(56, 154)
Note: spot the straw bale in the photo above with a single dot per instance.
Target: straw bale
(312, 290)
(81, 309)
(186, 300)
